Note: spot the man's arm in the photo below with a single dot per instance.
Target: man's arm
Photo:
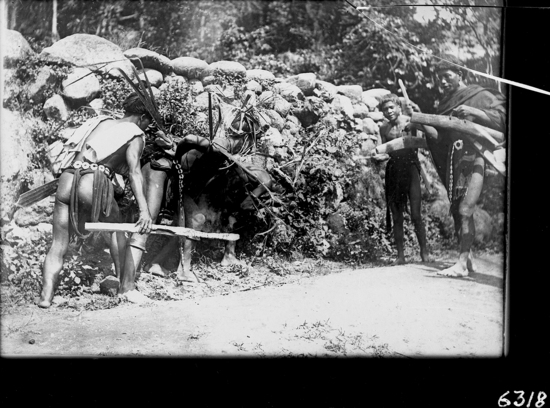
(133, 154)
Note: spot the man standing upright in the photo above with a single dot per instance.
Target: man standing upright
(459, 165)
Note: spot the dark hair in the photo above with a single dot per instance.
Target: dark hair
(442, 64)
(133, 104)
(389, 98)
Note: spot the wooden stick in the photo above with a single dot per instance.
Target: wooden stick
(480, 133)
(400, 143)
(159, 230)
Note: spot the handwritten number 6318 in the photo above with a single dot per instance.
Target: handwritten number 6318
(520, 400)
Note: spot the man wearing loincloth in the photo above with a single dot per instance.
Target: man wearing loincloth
(459, 165)
(402, 178)
(85, 193)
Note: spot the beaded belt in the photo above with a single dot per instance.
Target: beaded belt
(92, 166)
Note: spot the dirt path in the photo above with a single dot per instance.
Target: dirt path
(390, 311)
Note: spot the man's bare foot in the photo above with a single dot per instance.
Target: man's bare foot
(230, 259)
(184, 276)
(133, 296)
(455, 271)
(157, 270)
(46, 295)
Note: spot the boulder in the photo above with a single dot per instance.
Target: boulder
(208, 80)
(97, 105)
(202, 100)
(254, 86)
(370, 101)
(360, 111)
(376, 116)
(369, 126)
(40, 212)
(15, 48)
(305, 82)
(281, 105)
(483, 224)
(196, 86)
(189, 67)
(273, 137)
(343, 104)
(376, 93)
(55, 108)
(17, 144)
(80, 87)
(266, 100)
(259, 74)
(149, 59)
(230, 68)
(155, 77)
(276, 120)
(84, 49)
(325, 90)
(44, 80)
(289, 92)
(354, 92)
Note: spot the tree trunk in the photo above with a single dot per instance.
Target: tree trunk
(55, 34)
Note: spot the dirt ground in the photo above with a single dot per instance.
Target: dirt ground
(392, 311)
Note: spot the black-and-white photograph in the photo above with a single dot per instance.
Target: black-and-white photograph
(254, 178)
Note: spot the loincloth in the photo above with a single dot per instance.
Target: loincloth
(461, 159)
(102, 194)
(398, 181)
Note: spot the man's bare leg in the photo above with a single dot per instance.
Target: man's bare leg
(154, 189)
(169, 249)
(184, 273)
(397, 215)
(415, 196)
(229, 255)
(467, 227)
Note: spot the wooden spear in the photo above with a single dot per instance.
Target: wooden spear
(159, 230)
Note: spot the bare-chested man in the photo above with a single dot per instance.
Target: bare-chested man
(402, 179)
(85, 193)
(460, 167)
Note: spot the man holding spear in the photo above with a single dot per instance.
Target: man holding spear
(460, 159)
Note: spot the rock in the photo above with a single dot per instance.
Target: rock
(202, 100)
(40, 212)
(343, 104)
(266, 100)
(84, 49)
(369, 126)
(370, 101)
(289, 92)
(325, 90)
(276, 120)
(273, 137)
(17, 233)
(354, 92)
(55, 108)
(97, 105)
(196, 86)
(149, 59)
(360, 111)
(440, 208)
(80, 87)
(109, 286)
(281, 106)
(259, 74)
(483, 224)
(306, 82)
(254, 86)
(15, 48)
(230, 68)
(376, 93)
(329, 121)
(189, 67)
(210, 79)
(155, 77)
(12, 87)
(292, 127)
(376, 116)
(36, 90)
(45, 228)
